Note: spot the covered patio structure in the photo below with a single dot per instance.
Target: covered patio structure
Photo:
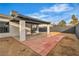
(24, 20)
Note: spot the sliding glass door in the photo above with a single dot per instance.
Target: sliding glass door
(4, 27)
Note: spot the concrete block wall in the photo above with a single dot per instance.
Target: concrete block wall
(77, 31)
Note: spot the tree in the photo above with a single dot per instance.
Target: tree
(74, 20)
(62, 23)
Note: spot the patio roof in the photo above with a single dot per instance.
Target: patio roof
(28, 19)
(5, 16)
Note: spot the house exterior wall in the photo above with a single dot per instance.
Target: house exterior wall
(44, 25)
(13, 30)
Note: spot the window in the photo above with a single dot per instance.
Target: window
(4, 27)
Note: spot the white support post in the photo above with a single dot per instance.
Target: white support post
(37, 28)
(31, 29)
(22, 30)
(48, 29)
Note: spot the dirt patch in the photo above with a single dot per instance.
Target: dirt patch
(10, 46)
(66, 47)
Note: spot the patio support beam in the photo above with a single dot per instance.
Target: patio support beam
(48, 29)
(37, 28)
(22, 30)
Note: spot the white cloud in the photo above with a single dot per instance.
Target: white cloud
(57, 8)
(45, 17)
(42, 16)
(38, 15)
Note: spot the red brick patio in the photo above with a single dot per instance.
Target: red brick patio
(43, 45)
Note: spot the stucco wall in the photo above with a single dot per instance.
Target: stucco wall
(13, 31)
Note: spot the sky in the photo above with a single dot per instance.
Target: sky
(52, 12)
